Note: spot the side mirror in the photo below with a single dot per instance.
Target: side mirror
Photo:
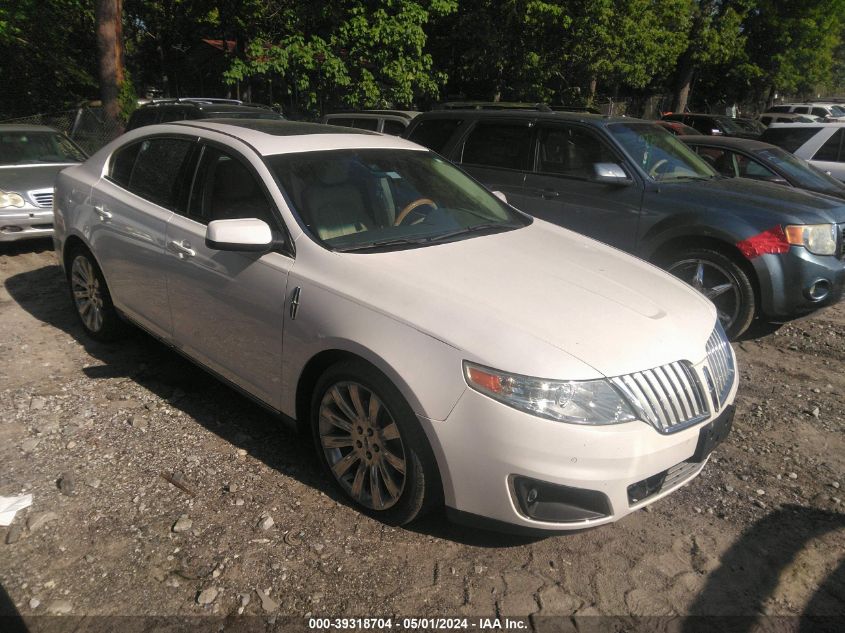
(501, 196)
(244, 235)
(610, 174)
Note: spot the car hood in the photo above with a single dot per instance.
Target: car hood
(533, 300)
(20, 178)
(754, 198)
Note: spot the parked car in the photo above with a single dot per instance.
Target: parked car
(167, 110)
(819, 144)
(747, 158)
(677, 128)
(754, 248)
(30, 158)
(821, 110)
(712, 124)
(753, 126)
(436, 342)
(767, 118)
(391, 122)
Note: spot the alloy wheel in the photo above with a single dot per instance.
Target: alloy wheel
(87, 293)
(714, 282)
(362, 445)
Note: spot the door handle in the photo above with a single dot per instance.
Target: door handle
(182, 249)
(549, 194)
(101, 211)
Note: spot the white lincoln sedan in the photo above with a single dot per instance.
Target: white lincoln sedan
(440, 346)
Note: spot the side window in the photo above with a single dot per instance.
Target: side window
(802, 110)
(157, 171)
(172, 114)
(820, 112)
(142, 117)
(498, 145)
(703, 125)
(122, 162)
(572, 152)
(780, 108)
(225, 189)
(365, 124)
(830, 150)
(393, 127)
(750, 168)
(434, 133)
(719, 159)
(341, 122)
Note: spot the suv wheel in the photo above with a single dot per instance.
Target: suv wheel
(91, 297)
(368, 439)
(721, 280)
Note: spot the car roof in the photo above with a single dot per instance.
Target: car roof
(407, 114)
(729, 142)
(819, 124)
(15, 127)
(527, 114)
(205, 107)
(269, 137)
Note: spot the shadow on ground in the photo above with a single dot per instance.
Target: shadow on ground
(153, 365)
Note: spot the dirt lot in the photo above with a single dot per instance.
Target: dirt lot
(762, 531)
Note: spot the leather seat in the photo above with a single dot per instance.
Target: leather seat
(335, 206)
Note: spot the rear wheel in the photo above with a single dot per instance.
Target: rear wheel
(368, 439)
(720, 279)
(91, 297)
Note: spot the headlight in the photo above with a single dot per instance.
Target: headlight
(577, 402)
(11, 199)
(819, 239)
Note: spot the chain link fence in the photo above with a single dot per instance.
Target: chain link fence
(87, 126)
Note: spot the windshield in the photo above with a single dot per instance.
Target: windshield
(837, 111)
(659, 154)
(363, 199)
(24, 148)
(800, 172)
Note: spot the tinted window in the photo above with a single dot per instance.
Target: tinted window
(819, 112)
(789, 138)
(173, 114)
(365, 124)
(157, 170)
(750, 168)
(498, 145)
(226, 189)
(719, 159)
(393, 127)
(802, 110)
(780, 108)
(122, 163)
(434, 133)
(703, 125)
(341, 122)
(830, 150)
(141, 117)
(571, 151)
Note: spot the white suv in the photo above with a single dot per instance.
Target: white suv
(821, 144)
(437, 344)
(830, 111)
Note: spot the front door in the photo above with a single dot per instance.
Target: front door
(228, 307)
(562, 190)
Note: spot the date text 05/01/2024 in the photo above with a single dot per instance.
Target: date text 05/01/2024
(424, 623)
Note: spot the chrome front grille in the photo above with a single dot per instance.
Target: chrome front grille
(42, 198)
(842, 241)
(669, 397)
(721, 364)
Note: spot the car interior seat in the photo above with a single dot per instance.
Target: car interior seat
(334, 206)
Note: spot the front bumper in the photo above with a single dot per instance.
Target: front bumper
(787, 282)
(26, 223)
(484, 448)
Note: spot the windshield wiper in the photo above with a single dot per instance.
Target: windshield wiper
(474, 229)
(394, 241)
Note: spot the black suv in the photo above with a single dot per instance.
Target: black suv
(168, 110)
(755, 249)
(714, 124)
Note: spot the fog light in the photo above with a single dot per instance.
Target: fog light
(11, 229)
(819, 290)
(531, 497)
(558, 504)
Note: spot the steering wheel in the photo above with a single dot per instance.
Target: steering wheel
(410, 207)
(655, 169)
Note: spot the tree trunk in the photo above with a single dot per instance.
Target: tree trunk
(591, 97)
(108, 15)
(683, 82)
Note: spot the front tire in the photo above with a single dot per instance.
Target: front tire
(722, 280)
(369, 441)
(91, 298)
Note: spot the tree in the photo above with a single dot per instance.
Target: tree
(109, 16)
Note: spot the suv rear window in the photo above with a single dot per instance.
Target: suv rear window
(434, 133)
(498, 145)
(789, 138)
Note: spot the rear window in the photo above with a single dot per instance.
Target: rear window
(434, 133)
(789, 138)
(498, 145)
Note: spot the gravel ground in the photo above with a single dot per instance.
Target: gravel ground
(156, 490)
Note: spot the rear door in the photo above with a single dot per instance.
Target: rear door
(563, 191)
(228, 307)
(498, 154)
(133, 204)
